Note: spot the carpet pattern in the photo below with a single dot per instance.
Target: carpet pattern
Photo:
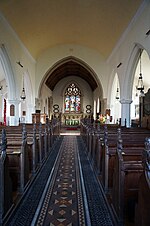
(63, 204)
(72, 193)
(24, 213)
(99, 210)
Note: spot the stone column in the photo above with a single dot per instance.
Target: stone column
(125, 112)
(30, 110)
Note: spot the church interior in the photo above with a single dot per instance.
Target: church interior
(74, 113)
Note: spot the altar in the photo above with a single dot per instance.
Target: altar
(71, 119)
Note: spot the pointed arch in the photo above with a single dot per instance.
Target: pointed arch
(9, 75)
(130, 72)
(71, 66)
(115, 105)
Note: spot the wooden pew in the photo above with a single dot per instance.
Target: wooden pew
(142, 211)
(132, 148)
(37, 140)
(21, 161)
(6, 199)
(18, 154)
(125, 187)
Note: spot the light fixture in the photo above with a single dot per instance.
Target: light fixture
(119, 65)
(140, 86)
(117, 91)
(148, 32)
(19, 64)
(117, 94)
(23, 93)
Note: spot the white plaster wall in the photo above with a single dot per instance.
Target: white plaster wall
(44, 94)
(16, 52)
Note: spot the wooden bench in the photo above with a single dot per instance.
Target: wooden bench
(18, 154)
(6, 198)
(23, 154)
(142, 210)
(125, 187)
(132, 149)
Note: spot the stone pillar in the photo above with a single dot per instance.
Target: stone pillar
(30, 110)
(125, 112)
(94, 112)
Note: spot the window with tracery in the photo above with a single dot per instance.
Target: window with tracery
(72, 99)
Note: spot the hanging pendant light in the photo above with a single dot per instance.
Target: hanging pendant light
(117, 91)
(140, 85)
(117, 94)
(23, 93)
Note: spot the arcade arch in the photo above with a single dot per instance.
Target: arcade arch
(115, 105)
(8, 98)
(145, 69)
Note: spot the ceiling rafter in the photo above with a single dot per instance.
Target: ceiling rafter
(69, 68)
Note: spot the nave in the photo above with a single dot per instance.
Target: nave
(88, 175)
(66, 192)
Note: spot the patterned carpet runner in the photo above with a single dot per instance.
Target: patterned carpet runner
(65, 193)
(63, 204)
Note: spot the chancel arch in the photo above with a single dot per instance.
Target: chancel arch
(71, 66)
(71, 71)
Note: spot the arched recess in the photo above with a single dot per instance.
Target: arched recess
(66, 68)
(144, 69)
(115, 105)
(127, 84)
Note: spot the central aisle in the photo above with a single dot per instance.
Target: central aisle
(66, 192)
(73, 194)
(63, 203)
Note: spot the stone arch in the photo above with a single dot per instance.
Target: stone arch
(9, 75)
(131, 67)
(50, 80)
(115, 105)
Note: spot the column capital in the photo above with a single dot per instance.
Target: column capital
(126, 101)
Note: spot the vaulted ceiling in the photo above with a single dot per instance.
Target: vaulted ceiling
(96, 24)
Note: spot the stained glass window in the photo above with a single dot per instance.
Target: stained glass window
(72, 98)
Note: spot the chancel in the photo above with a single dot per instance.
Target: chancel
(74, 113)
